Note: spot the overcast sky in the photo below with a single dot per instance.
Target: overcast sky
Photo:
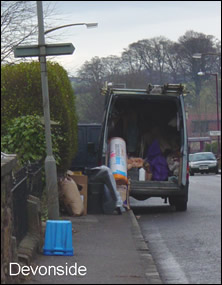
(121, 23)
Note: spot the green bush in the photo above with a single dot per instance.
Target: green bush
(211, 147)
(21, 95)
(26, 138)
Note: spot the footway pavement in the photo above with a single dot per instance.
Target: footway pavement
(111, 248)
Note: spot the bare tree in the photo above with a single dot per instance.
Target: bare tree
(18, 26)
(150, 56)
(91, 79)
(157, 61)
(139, 57)
(191, 43)
(131, 59)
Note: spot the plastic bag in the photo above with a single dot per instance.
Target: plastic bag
(108, 204)
(103, 174)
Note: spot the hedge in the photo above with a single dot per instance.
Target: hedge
(21, 95)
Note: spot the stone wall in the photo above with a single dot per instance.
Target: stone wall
(8, 242)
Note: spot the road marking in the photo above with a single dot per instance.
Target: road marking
(169, 268)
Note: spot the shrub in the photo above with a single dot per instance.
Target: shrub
(211, 147)
(21, 95)
(26, 138)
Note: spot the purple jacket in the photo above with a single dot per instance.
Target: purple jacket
(157, 161)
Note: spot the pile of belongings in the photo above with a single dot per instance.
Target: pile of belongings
(162, 167)
(173, 161)
(136, 163)
(158, 167)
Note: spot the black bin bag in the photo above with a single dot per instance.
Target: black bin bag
(111, 200)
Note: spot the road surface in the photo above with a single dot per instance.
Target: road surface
(186, 246)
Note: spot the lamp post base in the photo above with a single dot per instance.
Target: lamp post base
(52, 188)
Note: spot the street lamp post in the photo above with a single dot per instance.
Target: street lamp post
(50, 163)
(217, 102)
(199, 56)
(42, 50)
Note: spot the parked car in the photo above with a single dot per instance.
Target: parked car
(203, 162)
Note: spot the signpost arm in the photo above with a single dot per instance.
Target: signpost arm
(50, 164)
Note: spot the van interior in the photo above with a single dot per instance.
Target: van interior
(142, 121)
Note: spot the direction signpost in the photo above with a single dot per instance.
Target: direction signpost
(34, 50)
(42, 50)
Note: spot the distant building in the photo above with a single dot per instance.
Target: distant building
(199, 127)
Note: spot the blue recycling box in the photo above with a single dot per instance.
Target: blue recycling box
(58, 238)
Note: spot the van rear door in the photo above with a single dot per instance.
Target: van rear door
(185, 144)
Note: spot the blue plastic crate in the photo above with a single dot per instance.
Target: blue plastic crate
(58, 238)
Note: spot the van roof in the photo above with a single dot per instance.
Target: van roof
(168, 89)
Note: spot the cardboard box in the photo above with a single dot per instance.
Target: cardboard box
(77, 173)
(82, 180)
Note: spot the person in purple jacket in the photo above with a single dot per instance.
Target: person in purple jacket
(157, 161)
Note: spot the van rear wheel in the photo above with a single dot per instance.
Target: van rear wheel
(179, 203)
(181, 206)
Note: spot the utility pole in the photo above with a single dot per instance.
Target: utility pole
(217, 103)
(50, 163)
(218, 121)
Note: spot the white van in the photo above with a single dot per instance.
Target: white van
(152, 122)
